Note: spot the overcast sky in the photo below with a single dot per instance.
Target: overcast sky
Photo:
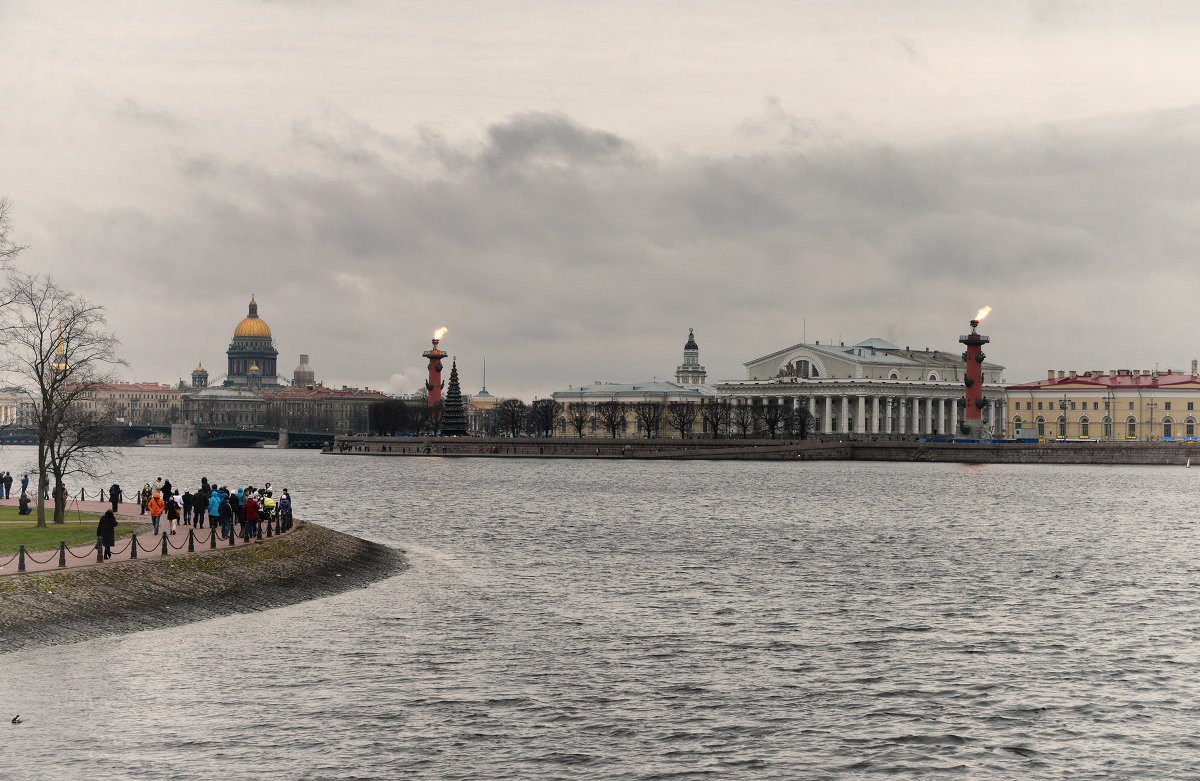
(569, 186)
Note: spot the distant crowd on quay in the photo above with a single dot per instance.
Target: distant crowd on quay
(221, 506)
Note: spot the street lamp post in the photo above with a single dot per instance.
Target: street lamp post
(1062, 426)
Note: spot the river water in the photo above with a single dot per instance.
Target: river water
(631, 620)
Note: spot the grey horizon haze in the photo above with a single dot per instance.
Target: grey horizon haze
(568, 187)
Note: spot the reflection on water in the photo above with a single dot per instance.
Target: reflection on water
(672, 620)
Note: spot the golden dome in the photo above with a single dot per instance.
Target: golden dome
(252, 324)
(200, 368)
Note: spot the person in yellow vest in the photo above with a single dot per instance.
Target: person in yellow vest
(268, 506)
(156, 505)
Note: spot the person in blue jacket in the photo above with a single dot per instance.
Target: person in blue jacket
(214, 509)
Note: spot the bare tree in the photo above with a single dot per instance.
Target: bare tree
(8, 250)
(715, 413)
(800, 423)
(544, 415)
(612, 416)
(511, 416)
(741, 419)
(681, 415)
(59, 351)
(649, 414)
(774, 417)
(579, 415)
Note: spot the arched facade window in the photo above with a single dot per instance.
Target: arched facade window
(893, 375)
(1041, 426)
(1168, 426)
(1189, 427)
(1084, 427)
(1108, 428)
(1062, 426)
(933, 375)
(1131, 427)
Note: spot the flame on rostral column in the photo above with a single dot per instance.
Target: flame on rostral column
(983, 313)
(439, 333)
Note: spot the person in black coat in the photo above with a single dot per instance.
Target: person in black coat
(114, 495)
(106, 530)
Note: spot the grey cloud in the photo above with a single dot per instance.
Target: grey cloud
(155, 117)
(593, 267)
(550, 139)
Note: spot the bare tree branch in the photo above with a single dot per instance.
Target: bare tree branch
(59, 353)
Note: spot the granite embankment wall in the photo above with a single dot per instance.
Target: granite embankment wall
(79, 604)
(769, 450)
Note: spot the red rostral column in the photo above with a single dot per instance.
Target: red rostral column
(973, 357)
(434, 383)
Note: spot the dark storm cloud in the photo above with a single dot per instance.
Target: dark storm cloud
(565, 254)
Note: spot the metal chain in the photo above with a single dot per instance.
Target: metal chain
(87, 555)
(172, 545)
(11, 560)
(127, 547)
(53, 556)
(151, 549)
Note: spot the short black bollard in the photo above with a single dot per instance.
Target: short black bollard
(99, 550)
(258, 530)
(133, 546)
(269, 527)
(62, 553)
(212, 538)
(21, 559)
(164, 548)
(232, 537)
(191, 541)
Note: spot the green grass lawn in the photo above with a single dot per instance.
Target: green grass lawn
(80, 528)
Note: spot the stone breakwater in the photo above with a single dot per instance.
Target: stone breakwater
(71, 605)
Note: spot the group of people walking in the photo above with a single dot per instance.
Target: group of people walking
(218, 505)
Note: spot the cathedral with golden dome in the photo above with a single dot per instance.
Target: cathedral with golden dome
(252, 355)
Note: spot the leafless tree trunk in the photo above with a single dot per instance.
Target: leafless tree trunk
(511, 416)
(649, 414)
(773, 417)
(680, 416)
(612, 415)
(579, 415)
(716, 414)
(58, 349)
(742, 419)
(544, 415)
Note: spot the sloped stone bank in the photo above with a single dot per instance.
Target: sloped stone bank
(71, 605)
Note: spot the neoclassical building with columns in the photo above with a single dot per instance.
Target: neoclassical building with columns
(870, 389)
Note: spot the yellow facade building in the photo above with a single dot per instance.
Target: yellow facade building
(1119, 404)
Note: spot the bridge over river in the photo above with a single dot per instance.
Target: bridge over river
(191, 435)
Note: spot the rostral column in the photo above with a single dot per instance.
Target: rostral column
(434, 384)
(973, 357)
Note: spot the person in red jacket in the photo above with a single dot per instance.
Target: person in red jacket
(250, 512)
(155, 506)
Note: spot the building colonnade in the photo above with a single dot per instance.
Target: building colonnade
(877, 414)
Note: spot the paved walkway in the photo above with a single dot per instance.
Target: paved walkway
(149, 546)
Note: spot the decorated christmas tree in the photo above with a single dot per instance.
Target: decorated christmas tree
(454, 414)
